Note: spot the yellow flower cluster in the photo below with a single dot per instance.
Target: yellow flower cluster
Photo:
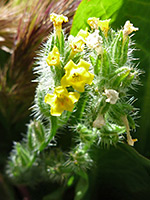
(76, 76)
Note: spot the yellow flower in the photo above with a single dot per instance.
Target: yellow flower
(57, 21)
(77, 43)
(61, 100)
(53, 57)
(77, 75)
(93, 22)
(128, 28)
(104, 26)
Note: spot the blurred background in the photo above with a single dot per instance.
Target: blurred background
(24, 25)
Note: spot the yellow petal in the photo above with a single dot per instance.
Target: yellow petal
(84, 64)
(74, 96)
(93, 22)
(60, 91)
(77, 75)
(56, 110)
(83, 34)
(61, 100)
(64, 82)
(69, 65)
(104, 25)
(76, 43)
(49, 99)
(69, 106)
(79, 86)
(88, 77)
(128, 28)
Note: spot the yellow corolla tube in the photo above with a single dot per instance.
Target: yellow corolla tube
(128, 29)
(104, 26)
(57, 22)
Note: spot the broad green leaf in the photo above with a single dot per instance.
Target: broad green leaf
(120, 173)
(103, 9)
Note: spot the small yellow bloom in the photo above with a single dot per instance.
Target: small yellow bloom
(77, 75)
(53, 57)
(57, 21)
(77, 43)
(93, 22)
(128, 28)
(104, 26)
(61, 100)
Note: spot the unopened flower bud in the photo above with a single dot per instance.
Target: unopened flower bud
(99, 121)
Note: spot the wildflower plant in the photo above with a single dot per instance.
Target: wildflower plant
(83, 90)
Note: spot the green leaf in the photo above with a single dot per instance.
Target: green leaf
(103, 9)
(30, 139)
(120, 173)
(97, 65)
(82, 186)
(23, 155)
(105, 65)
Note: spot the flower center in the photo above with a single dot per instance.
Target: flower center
(60, 96)
(76, 77)
(75, 47)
